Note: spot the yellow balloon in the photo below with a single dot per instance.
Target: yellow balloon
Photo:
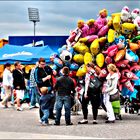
(81, 48)
(115, 14)
(81, 71)
(87, 58)
(78, 58)
(111, 35)
(100, 59)
(102, 39)
(94, 47)
(117, 23)
(128, 28)
(83, 40)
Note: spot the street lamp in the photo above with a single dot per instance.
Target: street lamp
(34, 17)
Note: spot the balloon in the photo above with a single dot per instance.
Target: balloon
(133, 46)
(128, 85)
(102, 41)
(65, 56)
(115, 14)
(58, 62)
(117, 23)
(94, 47)
(108, 60)
(101, 21)
(135, 68)
(78, 58)
(131, 56)
(74, 66)
(91, 38)
(111, 35)
(128, 75)
(128, 28)
(81, 71)
(100, 59)
(54, 67)
(87, 58)
(72, 73)
(81, 48)
(103, 31)
(125, 14)
(122, 63)
(111, 50)
(137, 23)
(93, 27)
(74, 80)
(121, 42)
(103, 72)
(135, 12)
(135, 38)
(120, 55)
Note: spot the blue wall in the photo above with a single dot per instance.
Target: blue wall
(54, 42)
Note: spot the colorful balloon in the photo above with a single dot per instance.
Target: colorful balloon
(111, 35)
(100, 59)
(120, 55)
(78, 58)
(131, 56)
(111, 50)
(81, 71)
(94, 47)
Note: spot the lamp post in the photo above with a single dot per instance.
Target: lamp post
(34, 17)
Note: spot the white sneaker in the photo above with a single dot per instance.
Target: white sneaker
(19, 109)
(37, 105)
(139, 112)
(44, 123)
(40, 121)
(31, 107)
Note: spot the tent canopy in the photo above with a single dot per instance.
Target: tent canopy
(26, 55)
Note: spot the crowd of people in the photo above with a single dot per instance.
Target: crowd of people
(43, 88)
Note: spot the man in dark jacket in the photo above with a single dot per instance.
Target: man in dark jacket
(19, 83)
(43, 78)
(64, 85)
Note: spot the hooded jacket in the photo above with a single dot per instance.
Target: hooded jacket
(112, 81)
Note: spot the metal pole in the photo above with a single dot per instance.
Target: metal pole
(34, 33)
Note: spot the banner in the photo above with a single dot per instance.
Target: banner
(26, 55)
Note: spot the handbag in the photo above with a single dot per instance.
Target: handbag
(95, 83)
(115, 97)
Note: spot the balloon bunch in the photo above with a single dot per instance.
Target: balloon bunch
(108, 39)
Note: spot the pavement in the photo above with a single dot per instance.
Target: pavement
(25, 125)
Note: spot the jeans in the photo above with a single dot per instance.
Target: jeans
(66, 101)
(45, 105)
(34, 96)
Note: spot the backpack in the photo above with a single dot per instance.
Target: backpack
(94, 82)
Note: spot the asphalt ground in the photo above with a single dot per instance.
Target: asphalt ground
(25, 125)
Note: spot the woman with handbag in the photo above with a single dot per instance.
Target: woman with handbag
(91, 94)
(110, 90)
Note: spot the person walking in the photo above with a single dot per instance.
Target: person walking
(18, 84)
(64, 86)
(7, 84)
(90, 94)
(43, 78)
(35, 96)
(110, 88)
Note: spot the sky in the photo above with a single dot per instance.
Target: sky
(56, 17)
